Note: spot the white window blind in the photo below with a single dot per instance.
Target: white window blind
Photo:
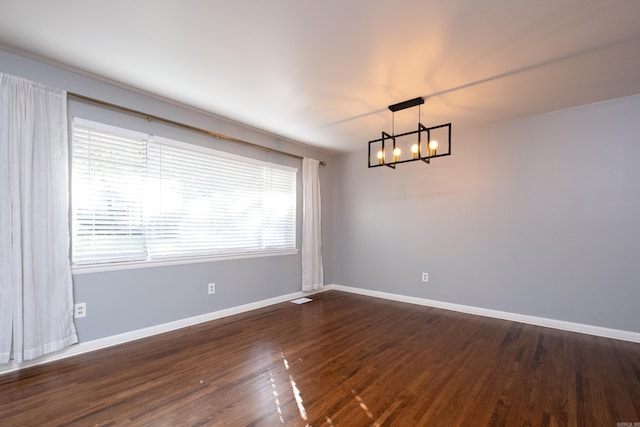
(142, 198)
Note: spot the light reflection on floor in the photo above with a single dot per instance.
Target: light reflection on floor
(298, 398)
(275, 394)
(364, 407)
(296, 391)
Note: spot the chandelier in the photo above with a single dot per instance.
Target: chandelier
(421, 144)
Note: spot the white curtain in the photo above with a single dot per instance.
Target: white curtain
(311, 230)
(36, 302)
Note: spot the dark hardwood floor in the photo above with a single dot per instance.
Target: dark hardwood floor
(341, 360)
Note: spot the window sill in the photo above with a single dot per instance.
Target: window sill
(116, 266)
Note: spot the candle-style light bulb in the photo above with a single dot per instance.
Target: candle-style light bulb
(396, 154)
(380, 157)
(414, 151)
(433, 147)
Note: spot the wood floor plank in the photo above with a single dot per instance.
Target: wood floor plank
(340, 360)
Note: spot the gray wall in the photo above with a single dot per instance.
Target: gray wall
(126, 300)
(538, 216)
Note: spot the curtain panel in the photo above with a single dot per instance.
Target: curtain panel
(36, 300)
(312, 274)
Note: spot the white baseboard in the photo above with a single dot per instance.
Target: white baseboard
(523, 318)
(113, 340)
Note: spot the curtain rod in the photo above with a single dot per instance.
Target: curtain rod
(216, 135)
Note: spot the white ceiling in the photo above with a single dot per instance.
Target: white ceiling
(323, 72)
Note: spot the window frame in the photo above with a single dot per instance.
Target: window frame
(176, 260)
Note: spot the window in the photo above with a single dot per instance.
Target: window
(137, 197)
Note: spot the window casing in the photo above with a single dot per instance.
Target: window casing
(143, 198)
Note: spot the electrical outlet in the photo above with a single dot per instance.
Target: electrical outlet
(212, 288)
(425, 277)
(80, 310)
